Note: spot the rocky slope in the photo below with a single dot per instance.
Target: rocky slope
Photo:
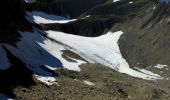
(150, 37)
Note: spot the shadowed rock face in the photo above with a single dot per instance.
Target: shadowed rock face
(12, 20)
(16, 75)
(51, 6)
(65, 7)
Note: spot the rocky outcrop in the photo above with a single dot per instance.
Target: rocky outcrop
(93, 26)
(48, 6)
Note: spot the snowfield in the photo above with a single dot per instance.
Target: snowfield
(42, 51)
(103, 50)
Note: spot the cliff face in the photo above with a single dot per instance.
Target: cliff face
(12, 20)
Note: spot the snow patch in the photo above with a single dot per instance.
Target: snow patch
(29, 1)
(44, 18)
(131, 2)
(88, 82)
(46, 80)
(116, 0)
(86, 17)
(159, 66)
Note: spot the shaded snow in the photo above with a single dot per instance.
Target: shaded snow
(34, 56)
(44, 18)
(165, 1)
(103, 50)
(4, 62)
(3, 97)
(40, 55)
(31, 53)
